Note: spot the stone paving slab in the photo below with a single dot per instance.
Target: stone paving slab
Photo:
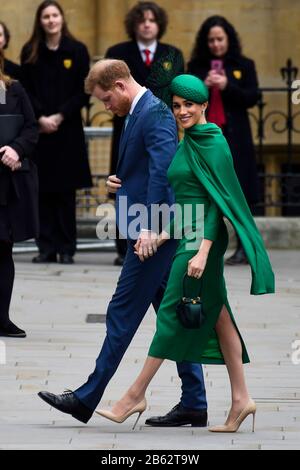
(52, 302)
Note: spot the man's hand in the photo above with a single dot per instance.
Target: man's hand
(10, 158)
(113, 183)
(146, 245)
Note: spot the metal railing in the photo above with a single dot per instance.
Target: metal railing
(280, 181)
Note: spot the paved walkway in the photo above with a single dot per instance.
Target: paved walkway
(52, 303)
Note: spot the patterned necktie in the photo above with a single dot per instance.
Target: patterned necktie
(148, 60)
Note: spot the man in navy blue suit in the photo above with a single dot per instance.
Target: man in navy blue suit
(148, 144)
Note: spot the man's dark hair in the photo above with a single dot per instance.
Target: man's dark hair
(136, 16)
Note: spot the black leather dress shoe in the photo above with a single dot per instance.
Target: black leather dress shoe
(42, 258)
(68, 403)
(239, 257)
(66, 259)
(12, 331)
(180, 416)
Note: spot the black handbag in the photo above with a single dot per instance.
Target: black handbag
(190, 310)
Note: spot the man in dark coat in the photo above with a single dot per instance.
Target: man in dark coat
(145, 24)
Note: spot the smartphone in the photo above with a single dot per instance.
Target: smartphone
(216, 65)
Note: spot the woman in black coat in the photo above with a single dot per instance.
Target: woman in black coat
(54, 66)
(10, 68)
(18, 188)
(232, 80)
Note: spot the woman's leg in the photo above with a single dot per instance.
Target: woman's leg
(137, 390)
(231, 347)
(7, 276)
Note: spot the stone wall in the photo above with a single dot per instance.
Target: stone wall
(269, 31)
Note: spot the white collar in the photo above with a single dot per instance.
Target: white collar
(152, 48)
(137, 99)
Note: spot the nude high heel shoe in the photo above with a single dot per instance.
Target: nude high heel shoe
(139, 408)
(233, 427)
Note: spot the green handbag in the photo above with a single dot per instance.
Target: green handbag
(190, 310)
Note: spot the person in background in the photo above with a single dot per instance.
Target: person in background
(18, 212)
(10, 68)
(231, 78)
(54, 66)
(145, 24)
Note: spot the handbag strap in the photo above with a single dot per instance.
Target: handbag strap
(185, 278)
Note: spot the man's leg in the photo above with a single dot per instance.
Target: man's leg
(193, 386)
(136, 290)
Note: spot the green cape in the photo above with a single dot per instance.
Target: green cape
(210, 159)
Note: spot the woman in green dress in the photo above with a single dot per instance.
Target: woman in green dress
(202, 173)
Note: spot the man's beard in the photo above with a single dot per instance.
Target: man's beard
(124, 107)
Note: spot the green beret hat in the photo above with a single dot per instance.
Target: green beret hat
(189, 87)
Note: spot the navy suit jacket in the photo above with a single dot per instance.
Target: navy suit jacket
(146, 150)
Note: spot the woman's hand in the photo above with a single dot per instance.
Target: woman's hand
(197, 264)
(218, 79)
(10, 158)
(57, 119)
(146, 246)
(48, 125)
(156, 242)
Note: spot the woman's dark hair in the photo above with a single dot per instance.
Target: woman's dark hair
(38, 34)
(136, 16)
(6, 34)
(201, 52)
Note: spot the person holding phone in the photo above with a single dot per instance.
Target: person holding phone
(231, 78)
